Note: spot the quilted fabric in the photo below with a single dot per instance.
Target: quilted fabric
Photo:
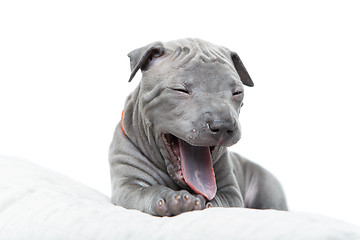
(36, 203)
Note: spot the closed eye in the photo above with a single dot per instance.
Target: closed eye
(182, 90)
(237, 93)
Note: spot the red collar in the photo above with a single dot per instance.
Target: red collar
(121, 123)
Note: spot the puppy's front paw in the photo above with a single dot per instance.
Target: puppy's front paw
(174, 203)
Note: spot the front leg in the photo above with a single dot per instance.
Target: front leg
(139, 186)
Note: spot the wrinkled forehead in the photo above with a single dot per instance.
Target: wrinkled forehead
(202, 64)
(187, 51)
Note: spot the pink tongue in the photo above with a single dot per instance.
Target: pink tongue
(197, 169)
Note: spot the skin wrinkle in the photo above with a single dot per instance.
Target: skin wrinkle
(144, 146)
(230, 186)
(176, 54)
(186, 60)
(146, 167)
(251, 190)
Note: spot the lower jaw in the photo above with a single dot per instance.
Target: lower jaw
(197, 173)
(174, 157)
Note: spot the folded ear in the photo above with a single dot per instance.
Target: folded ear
(141, 58)
(240, 68)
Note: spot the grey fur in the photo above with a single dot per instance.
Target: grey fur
(193, 90)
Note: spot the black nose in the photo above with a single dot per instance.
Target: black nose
(221, 127)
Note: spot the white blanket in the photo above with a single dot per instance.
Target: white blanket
(36, 203)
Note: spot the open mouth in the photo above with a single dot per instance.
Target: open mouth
(193, 165)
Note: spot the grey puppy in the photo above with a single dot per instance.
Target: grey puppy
(169, 152)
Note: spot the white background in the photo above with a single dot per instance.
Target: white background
(64, 72)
